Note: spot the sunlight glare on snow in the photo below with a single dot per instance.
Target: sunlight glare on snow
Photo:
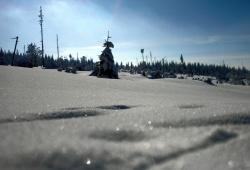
(88, 162)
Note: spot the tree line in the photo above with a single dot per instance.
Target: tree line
(32, 58)
(223, 73)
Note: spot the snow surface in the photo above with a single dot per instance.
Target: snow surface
(56, 120)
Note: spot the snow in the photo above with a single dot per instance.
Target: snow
(56, 120)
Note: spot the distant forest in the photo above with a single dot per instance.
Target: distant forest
(158, 69)
(222, 73)
(32, 58)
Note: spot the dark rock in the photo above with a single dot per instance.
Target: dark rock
(70, 70)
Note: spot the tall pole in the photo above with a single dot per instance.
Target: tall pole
(13, 56)
(151, 57)
(163, 64)
(41, 24)
(24, 49)
(163, 69)
(142, 51)
(57, 46)
(108, 37)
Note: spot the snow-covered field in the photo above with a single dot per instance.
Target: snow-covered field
(55, 120)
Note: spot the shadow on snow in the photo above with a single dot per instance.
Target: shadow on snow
(228, 119)
(105, 158)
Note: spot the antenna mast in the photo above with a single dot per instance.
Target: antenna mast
(41, 24)
(151, 57)
(57, 46)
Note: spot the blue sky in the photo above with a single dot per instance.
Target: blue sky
(208, 31)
